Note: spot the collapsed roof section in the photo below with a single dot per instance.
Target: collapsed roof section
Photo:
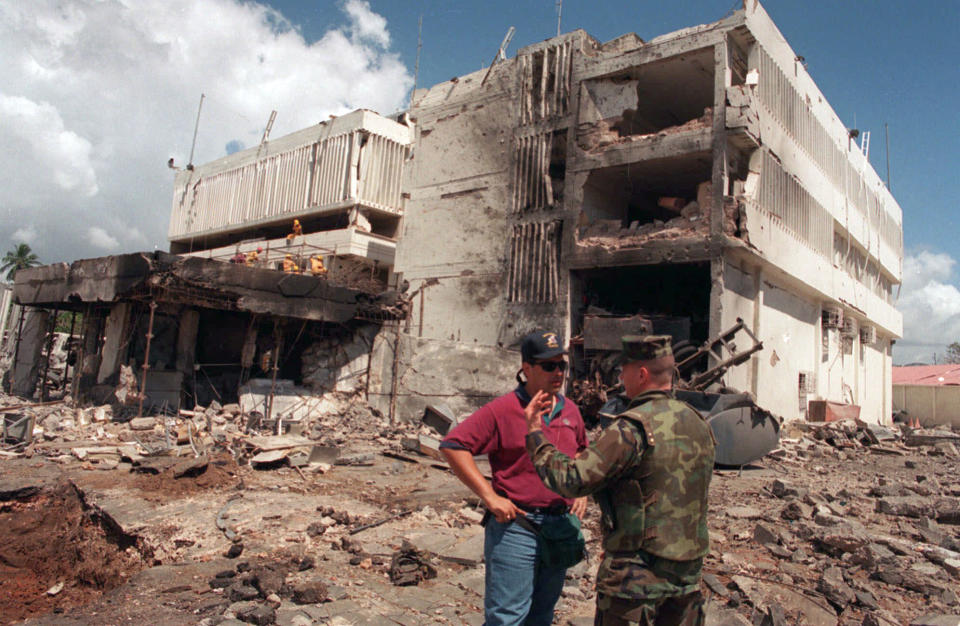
(198, 329)
(197, 281)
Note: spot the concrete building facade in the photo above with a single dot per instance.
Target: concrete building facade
(340, 179)
(692, 180)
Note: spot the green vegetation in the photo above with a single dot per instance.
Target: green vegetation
(17, 259)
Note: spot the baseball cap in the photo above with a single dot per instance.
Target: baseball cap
(539, 345)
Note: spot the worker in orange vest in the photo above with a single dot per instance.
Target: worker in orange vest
(297, 230)
(253, 257)
(316, 266)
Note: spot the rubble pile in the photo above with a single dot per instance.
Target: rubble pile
(59, 361)
(692, 217)
(347, 517)
(856, 527)
(605, 133)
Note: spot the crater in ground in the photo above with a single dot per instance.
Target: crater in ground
(51, 538)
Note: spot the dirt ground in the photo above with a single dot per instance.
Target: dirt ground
(50, 539)
(823, 531)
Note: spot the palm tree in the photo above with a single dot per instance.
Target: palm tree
(18, 258)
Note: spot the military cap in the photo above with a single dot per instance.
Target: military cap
(645, 347)
(539, 345)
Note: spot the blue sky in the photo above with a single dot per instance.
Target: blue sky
(97, 95)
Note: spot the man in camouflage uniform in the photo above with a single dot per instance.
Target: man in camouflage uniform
(650, 472)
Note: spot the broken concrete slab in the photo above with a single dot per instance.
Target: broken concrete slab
(435, 542)
(439, 417)
(906, 506)
(468, 551)
(932, 619)
(744, 512)
(764, 594)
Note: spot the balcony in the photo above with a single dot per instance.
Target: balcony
(350, 162)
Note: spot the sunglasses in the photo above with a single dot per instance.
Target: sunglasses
(552, 366)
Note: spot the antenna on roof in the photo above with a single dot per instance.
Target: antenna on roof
(416, 66)
(559, 14)
(196, 127)
(501, 53)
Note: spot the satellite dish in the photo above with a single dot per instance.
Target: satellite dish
(744, 434)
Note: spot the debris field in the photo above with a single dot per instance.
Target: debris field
(198, 518)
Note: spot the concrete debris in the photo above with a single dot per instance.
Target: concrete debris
(335, 521)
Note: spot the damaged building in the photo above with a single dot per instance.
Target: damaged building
(675, 185)
(165, 332)
(691, 184)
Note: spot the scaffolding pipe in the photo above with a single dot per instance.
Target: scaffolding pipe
(273, 380)
(394, 382)
(51, 333)
(73, 325)
(78, 369)
(146, 359)
(16, 348)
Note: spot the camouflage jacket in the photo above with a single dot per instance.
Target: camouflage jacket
(649, 471)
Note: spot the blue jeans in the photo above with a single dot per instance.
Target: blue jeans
(519, 591)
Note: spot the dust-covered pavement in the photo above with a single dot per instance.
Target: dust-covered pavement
(835, 527)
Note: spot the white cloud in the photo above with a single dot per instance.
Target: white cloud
(366, 23)
(56, 157)
(100, 238)
(930, 304)
(26, 234)
(96, 95)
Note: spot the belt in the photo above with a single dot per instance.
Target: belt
(554, 509)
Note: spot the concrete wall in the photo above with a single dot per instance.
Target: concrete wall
(738, 296)
(848, 187)
(28, 364)
(430, 371)
(874, 383)
(932, 405)
(788, 321)
(6, 308)
(788, 329)
(354, 159)
(454, 241)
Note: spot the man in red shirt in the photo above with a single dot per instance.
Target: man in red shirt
(519, 590)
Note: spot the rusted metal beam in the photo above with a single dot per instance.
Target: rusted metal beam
(51, 334)
(16, 348)
(73, 324)
(277, 338)
(146, 359)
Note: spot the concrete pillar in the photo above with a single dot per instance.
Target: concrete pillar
(886, 410)
(86, 370)
(6, 303)
(29, 355)
(757, 319)
(91, 341)
(249, 351)
(11, 332)
(187, 341)
(721, 80)
(115, 340)
(353, 174)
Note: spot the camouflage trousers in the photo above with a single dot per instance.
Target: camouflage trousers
(670, 611)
